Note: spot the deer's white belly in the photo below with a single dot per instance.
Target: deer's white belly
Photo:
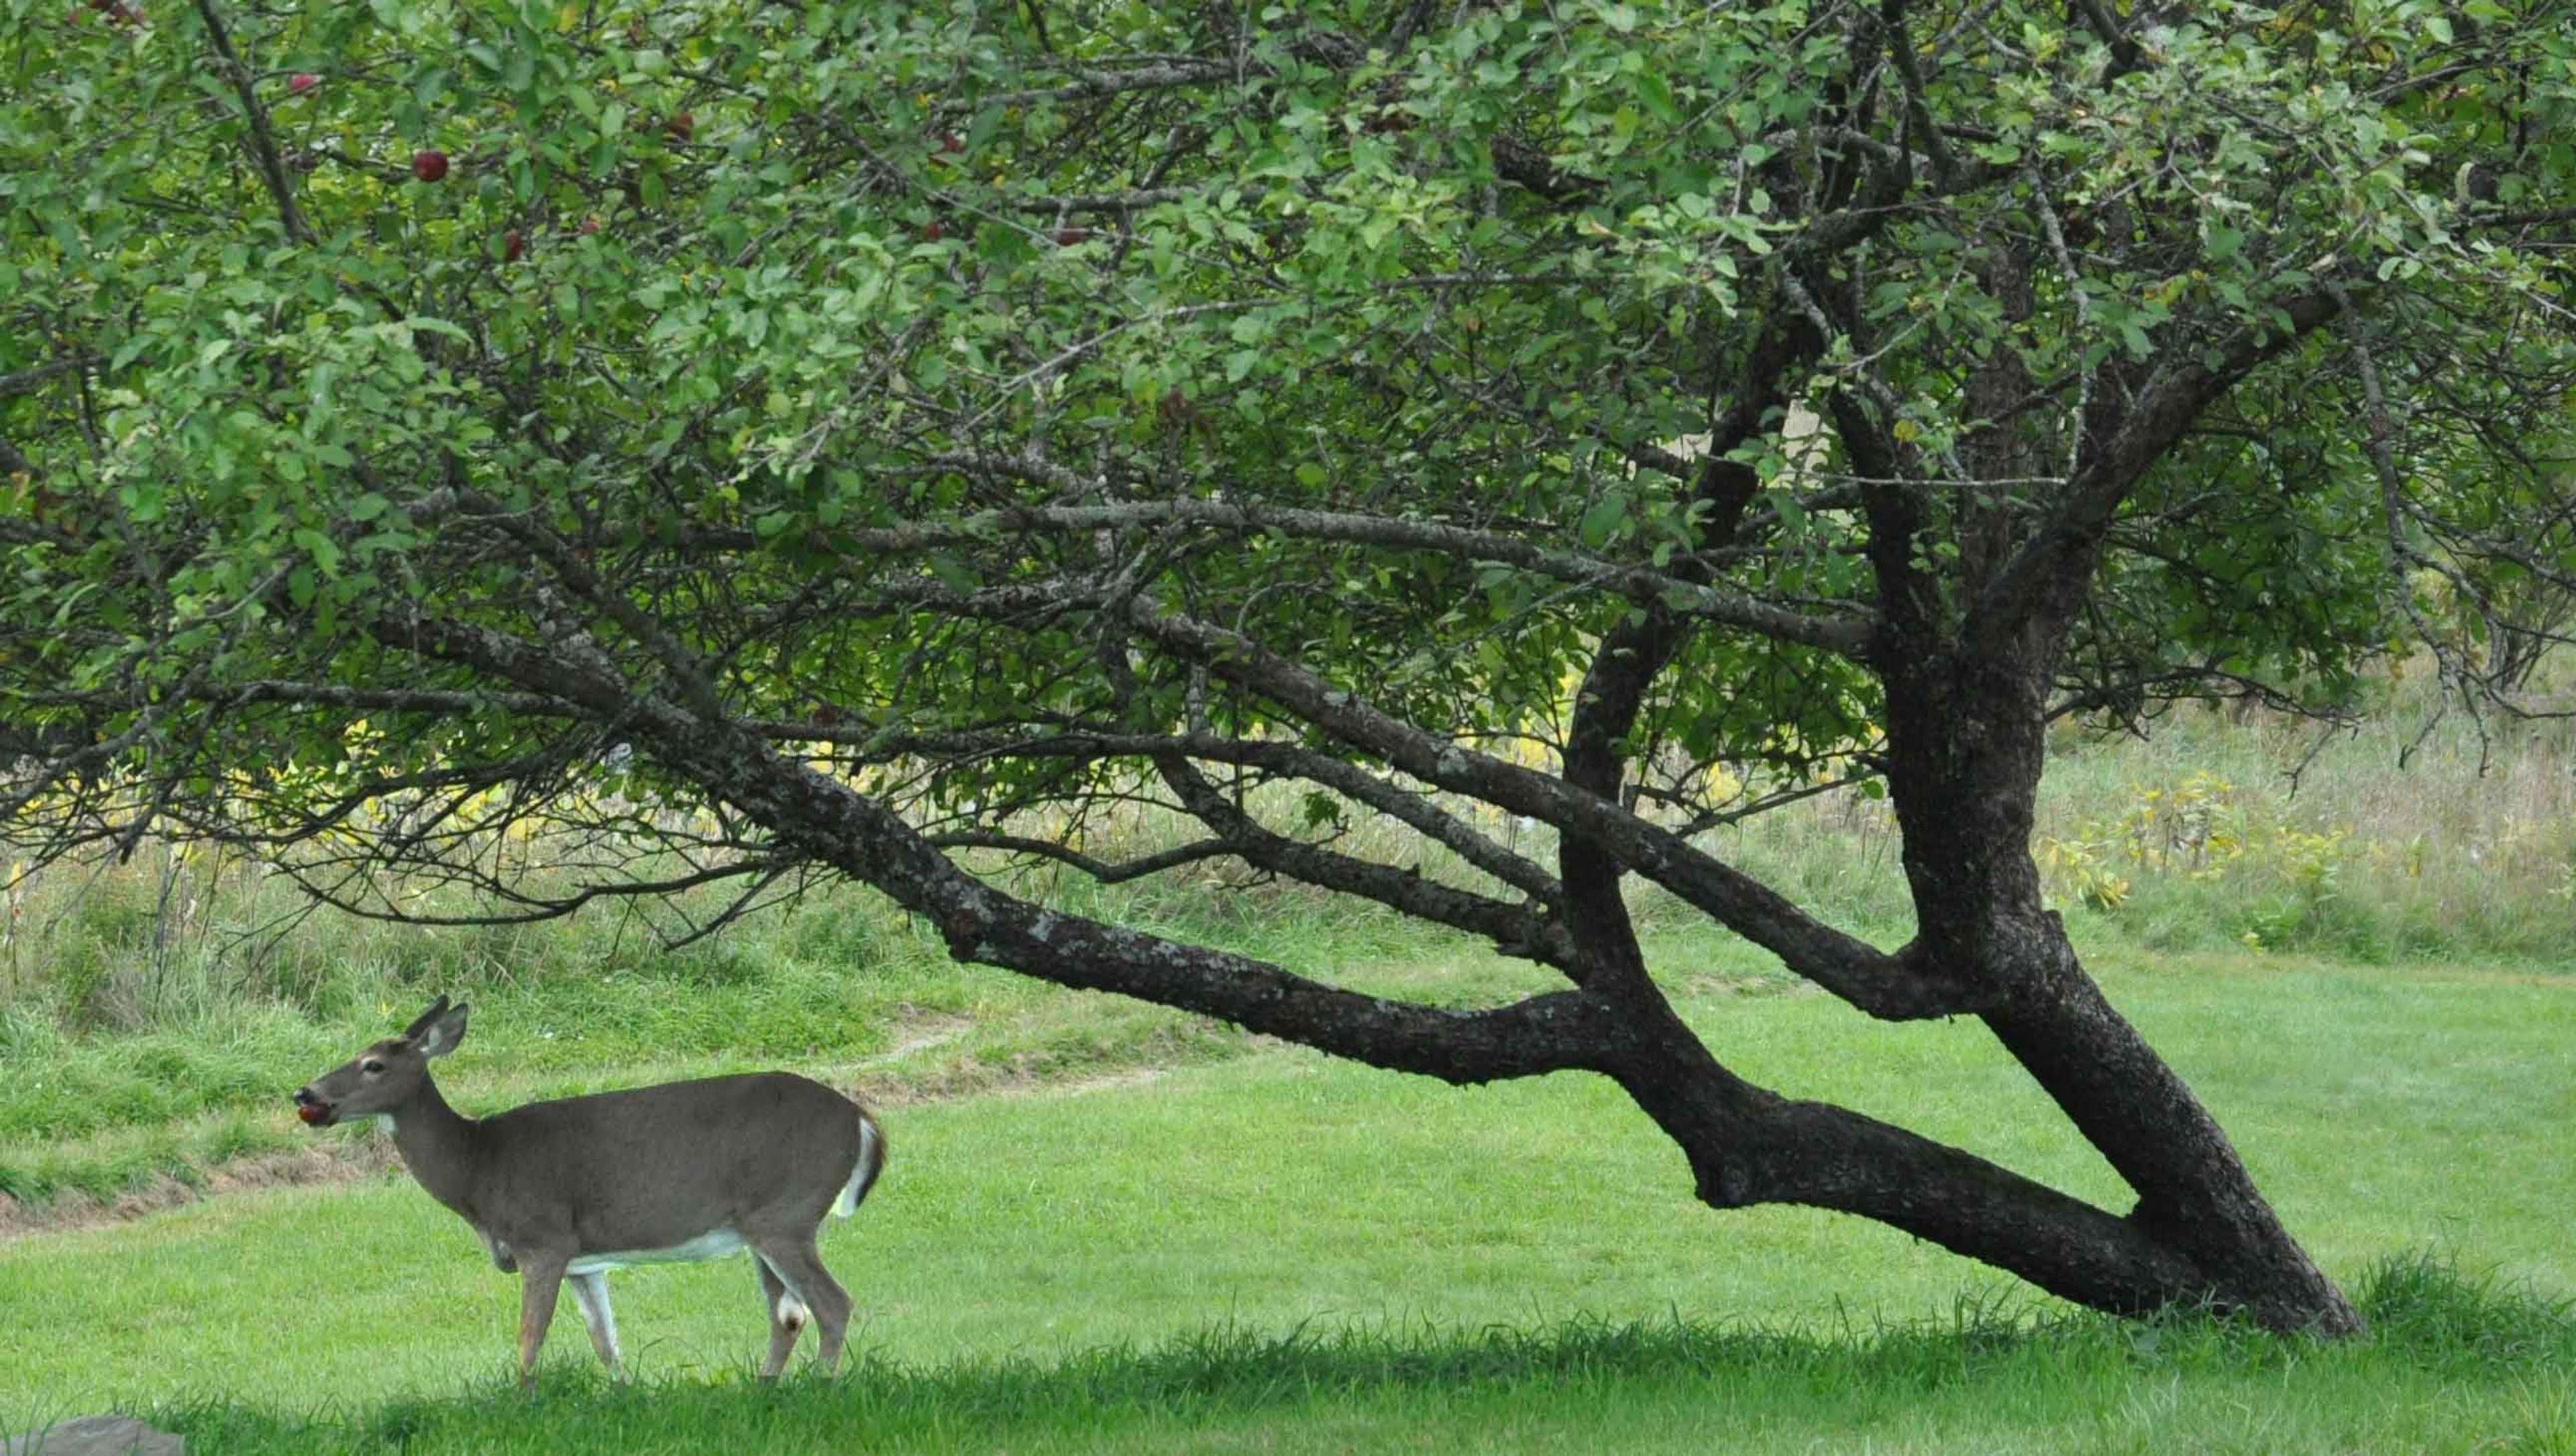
(713, 1244)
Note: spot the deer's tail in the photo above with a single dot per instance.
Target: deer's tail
(863, 1175)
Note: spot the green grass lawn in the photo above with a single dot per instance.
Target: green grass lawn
(1512, 1268)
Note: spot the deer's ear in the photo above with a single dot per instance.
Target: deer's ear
(421, 1024)
(444, 1033)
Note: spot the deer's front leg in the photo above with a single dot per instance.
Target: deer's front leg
(540, 1278)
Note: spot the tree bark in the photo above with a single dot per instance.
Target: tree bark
(1967, 747)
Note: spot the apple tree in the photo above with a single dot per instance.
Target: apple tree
(759, 442)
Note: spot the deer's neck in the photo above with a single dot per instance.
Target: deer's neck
(437, 1145)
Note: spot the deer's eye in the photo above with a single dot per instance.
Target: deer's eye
(371, 1066)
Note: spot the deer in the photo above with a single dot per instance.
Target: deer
(573, 1188)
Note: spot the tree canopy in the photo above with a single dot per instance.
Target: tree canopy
(762, 441)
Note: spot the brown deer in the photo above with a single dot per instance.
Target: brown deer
(577, 1187)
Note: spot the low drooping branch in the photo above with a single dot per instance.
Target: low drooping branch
(1556, 1032)
(829, 822)
(1883, 985)
(1277, 756)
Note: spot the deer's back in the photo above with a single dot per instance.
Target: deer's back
(654, 1168)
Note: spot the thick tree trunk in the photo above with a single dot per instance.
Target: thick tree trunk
(1967, 748)
(1746, 1147)
(2194, 1192)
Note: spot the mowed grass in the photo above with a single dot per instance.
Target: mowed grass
(2459, 1366)
(1278, 1252)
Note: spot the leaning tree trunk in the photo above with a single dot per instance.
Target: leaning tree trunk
(1968, 751)
(2200, 1232)
(1967, 748)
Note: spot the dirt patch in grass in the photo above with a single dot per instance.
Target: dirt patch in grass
(970, 1077)
(921, 1034)
(340, 1160)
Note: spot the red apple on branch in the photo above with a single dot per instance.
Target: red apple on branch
(429, 164)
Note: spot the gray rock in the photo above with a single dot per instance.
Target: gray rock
(95, 1436)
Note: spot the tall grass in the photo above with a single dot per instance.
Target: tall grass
(2398, 839)
(2413, 834)
(2409, 836)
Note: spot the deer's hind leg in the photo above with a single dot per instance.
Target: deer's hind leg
(590, 1291)
(792, 1261)
(787, 1317)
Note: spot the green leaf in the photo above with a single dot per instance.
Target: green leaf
(1657, 94)
(1602, 521)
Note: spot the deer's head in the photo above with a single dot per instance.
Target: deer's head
(386, 1075)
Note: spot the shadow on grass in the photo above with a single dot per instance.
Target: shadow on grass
(2430, 1322)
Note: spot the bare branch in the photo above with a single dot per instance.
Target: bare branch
(1107, 872)
(1517, 930)
(260, 144)
(534, 908)
(1273, 755)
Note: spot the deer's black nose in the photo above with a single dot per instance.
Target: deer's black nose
(304, 1097)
